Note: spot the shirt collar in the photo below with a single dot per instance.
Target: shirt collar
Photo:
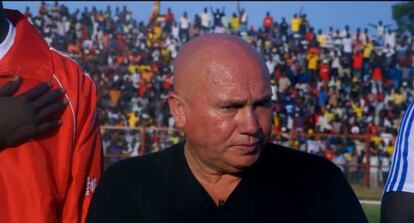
(29, 55)
(8, 41)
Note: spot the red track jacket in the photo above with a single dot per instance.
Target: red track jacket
(52, 178)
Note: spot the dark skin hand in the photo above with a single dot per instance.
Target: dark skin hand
(29, 114)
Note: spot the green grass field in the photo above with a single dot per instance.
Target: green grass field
(372, 211)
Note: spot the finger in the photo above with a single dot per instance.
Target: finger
(20, 135)
(28, 132)
(48, 126)
(37, 91)
(10, 87)
(53, 109)
(48, 98)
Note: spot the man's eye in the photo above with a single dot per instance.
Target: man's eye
(229, 107)
(264, 103)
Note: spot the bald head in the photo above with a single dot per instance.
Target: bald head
(212, 58)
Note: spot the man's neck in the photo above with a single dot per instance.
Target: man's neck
(4, 27)
(201, 169)
(219, 185)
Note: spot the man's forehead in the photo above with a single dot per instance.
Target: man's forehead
(232, 76)
(225, 98)
(235, 86)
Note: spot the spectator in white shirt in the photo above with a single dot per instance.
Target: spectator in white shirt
(390, 38)
(184, 27)
(205, 20)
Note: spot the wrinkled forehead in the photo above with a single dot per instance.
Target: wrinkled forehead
(233, 68)
(235, 89)
(238, 77)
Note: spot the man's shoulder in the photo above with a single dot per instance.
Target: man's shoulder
(295, 159)
(154, 163)
(66, 60)
(68, 73)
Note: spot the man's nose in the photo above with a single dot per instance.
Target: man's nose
(249, 123)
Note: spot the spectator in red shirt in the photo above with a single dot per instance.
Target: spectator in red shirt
(324, 71)
(268, 22)
(329, 154)
(169, 19)
(42, 8)
(310, 35)
(27, 13)
(357, 62)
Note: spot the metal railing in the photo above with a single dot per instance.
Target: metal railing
(151, 139)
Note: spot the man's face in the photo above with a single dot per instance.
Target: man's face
(228, 116)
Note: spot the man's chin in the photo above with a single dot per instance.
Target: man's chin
(248, 149)
(246, 160)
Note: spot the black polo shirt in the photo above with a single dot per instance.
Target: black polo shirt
(284, 185)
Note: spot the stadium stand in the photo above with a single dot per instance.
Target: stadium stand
(338, 94)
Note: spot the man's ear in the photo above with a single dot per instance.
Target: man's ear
(176, 104)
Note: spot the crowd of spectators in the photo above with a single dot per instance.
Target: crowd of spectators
(331, 82)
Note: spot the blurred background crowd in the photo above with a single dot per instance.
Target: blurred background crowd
(336, 93)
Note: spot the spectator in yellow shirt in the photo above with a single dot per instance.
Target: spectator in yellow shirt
(357, 109)
(322, 39)
(133, 68)
(312, 59)
(367, 49)
(157, 32)
(398, 97)
(234, 24)
(132, 120)
(376, 139)
(147, 75)
(295, 23)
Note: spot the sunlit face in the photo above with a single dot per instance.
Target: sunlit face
(228, 116)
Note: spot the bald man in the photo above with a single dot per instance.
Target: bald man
(226, 170)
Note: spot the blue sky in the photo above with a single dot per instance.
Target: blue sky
(321, 14)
